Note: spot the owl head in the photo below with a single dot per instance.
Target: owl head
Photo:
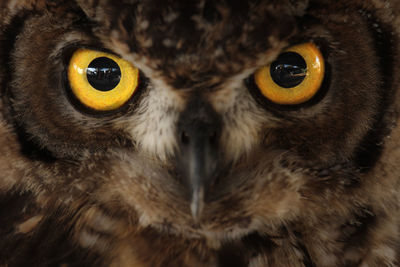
(203, 118)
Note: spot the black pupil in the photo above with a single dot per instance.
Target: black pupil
(288, 70)
(103, 74)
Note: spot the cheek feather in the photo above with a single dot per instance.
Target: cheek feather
(154, 125)
(242, 119)
(29, 225)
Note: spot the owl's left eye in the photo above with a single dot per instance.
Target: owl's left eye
(294, 77)
(101, 81)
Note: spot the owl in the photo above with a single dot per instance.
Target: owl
(200, 133)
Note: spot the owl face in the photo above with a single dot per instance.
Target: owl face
(199, 145)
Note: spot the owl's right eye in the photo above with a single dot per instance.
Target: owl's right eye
(101, 81)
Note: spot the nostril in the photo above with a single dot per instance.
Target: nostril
(185, 139)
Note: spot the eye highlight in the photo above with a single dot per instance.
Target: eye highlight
(101, 81)
(294, 77)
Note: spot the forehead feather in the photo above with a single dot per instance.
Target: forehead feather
(204, 37)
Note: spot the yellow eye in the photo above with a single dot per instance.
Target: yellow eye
(101, 81)
(294, 77)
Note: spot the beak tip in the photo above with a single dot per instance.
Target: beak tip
(197, 204)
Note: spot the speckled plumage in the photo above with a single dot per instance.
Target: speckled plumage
(312, 185)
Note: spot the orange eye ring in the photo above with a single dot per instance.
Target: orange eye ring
(116, 79)
(307, 86)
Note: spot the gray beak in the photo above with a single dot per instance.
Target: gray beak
(199, 128)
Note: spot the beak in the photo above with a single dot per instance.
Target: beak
(199, 127)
